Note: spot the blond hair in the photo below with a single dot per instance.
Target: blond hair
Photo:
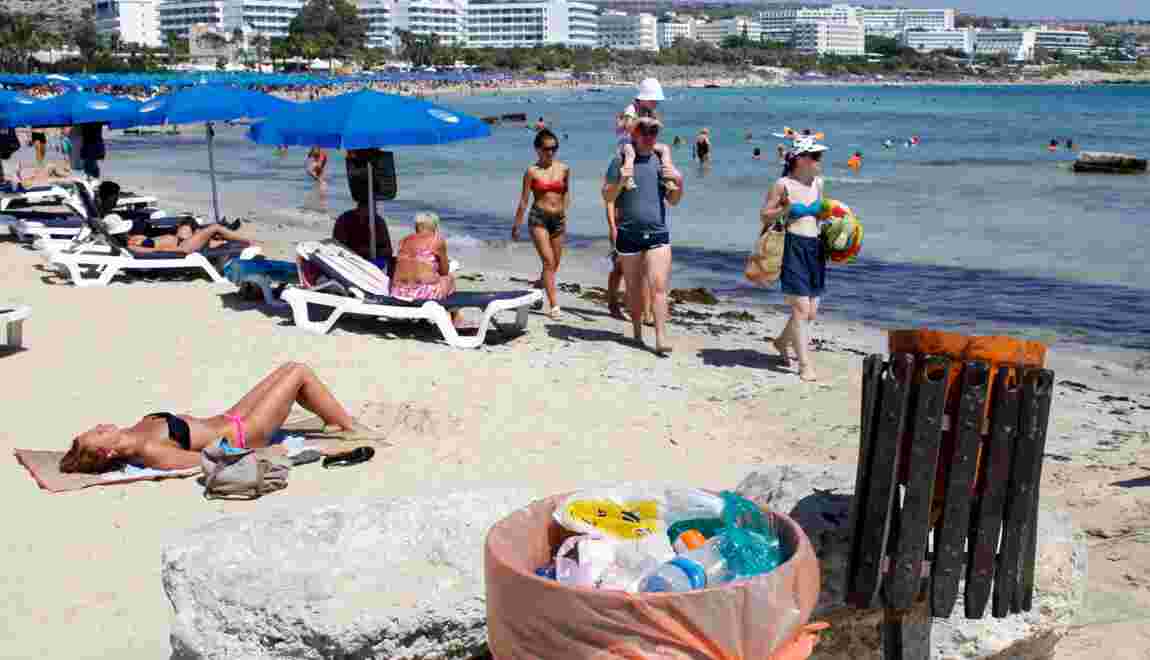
(427, 219)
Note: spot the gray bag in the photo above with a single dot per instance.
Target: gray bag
(240, 475)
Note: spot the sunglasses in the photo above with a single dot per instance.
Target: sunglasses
(815, 156)
(552, 149)
(649, 131)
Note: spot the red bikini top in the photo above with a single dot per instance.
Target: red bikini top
(540, 186)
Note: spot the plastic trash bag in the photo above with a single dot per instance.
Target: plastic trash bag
(750, 542)
(632, 511)
(529, 617)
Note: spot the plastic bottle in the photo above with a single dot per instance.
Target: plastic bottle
(697, 569)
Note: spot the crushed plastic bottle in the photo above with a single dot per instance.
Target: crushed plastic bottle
(750, 543)
(700, 568)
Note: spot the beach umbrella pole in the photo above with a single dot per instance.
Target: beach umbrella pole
(371, 208)
(212, 172)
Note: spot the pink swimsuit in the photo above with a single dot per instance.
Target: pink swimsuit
(424, 290)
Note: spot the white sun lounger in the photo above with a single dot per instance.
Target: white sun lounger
(97, 262)
(356, 286)
(12, 325)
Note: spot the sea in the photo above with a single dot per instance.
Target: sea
(979, 228)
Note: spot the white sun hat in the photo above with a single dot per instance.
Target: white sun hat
(807, 145)
(650, 90)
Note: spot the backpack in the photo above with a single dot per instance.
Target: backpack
(240, 475)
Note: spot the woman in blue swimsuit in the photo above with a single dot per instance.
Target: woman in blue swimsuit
(795, 200)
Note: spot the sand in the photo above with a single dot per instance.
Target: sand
(567, 405)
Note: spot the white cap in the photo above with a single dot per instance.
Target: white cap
(807, 145)
(650, 90)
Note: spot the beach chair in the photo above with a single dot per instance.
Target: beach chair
(97, 261)
(54, 214)
(12, 325)
(350, 284)
(950, 462)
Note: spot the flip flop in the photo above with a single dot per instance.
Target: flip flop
(348, 458)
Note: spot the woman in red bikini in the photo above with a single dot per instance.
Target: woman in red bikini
(550, 182)
(167, 442)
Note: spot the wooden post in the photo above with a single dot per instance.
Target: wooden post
(908, 553)
(955, 523)
(872, 525)
(995, 477)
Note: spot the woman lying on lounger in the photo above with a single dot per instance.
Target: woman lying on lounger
(187, 239)
(167, 442)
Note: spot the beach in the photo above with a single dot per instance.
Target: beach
(567, 405)
(563, 407)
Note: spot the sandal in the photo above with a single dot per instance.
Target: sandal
(348, 458)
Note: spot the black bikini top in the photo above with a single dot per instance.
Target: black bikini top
(178, 429)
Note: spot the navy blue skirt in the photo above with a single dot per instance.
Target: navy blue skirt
(804, 266)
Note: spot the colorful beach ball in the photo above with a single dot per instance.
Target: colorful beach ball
(841, 231)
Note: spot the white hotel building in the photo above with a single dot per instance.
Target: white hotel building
(133, 21)
(714, 32)
(778, 22)
(830, 38)
(628, 31)
(380, 17)
(932, 40)
(269, 18)
(673, 28)
(1018, 45)
(526, 23)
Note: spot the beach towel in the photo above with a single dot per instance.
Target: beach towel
(44, 466)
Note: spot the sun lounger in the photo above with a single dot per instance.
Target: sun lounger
(352, 285)
(33, 224)
(96, 263)
(12, 326)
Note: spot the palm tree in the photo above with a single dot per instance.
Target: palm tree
(259, 42)
(172, 43)
(21, 37)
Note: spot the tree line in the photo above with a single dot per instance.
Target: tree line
(334, 30)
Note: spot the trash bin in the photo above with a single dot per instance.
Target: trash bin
(530, 617)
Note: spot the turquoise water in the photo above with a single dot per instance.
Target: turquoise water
(979, 228)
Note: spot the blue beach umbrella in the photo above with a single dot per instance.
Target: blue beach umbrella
(71, 109)
(209, 103)
(367, 120)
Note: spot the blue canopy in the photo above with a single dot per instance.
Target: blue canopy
(203, 103)
(365, 120)
(71, 109)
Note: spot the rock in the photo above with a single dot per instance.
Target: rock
(698, 296)
(818, 497)
(1109, 163)
(394, 578)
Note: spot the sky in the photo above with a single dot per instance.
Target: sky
(1101, 9)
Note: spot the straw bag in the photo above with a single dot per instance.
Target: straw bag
(242, 475)
(766, 260)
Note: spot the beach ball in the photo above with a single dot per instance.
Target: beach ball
(838, 225)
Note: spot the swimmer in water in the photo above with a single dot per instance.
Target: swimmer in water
(757, 154)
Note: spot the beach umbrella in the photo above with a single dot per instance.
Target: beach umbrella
(69, 110)
(210, 103)
(367, 120)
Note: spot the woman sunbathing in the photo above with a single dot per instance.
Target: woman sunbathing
(187, 239)
(167, 442)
